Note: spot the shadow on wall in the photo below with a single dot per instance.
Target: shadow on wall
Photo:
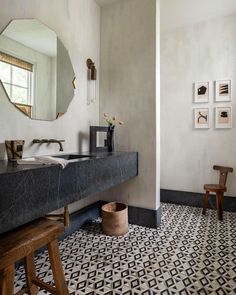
(83, 139)
(2, 151)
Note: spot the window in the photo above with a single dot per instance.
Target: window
(16, 76)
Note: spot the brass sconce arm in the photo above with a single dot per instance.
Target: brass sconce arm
(92, 68)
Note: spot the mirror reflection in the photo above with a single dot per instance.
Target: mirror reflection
(35, 69)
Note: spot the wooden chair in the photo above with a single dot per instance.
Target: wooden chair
(22, 243)
(218, 189)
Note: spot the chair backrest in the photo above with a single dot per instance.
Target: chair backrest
(223, 173)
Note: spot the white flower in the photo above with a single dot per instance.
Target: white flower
(111, 120)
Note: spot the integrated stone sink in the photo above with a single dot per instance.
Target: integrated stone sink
(73, 156)
(28, 192)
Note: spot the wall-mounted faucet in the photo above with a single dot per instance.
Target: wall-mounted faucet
(50, 141)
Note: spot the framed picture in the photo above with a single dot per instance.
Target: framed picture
(201, 92)
(98, 139)
(201, 118)
(223, 90)
(223, 117)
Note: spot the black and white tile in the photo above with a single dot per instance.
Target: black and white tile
(188, 254)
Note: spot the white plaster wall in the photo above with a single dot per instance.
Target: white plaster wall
(181, 13)
(201, 52)
(77, 24)
(128, 89)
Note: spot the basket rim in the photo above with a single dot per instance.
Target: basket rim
(113, 203)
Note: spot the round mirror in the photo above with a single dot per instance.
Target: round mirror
(35, 70)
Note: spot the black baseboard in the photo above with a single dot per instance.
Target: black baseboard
(77, 219)
(80, 217)
(136, 215)
(195, 199)
(143, 217)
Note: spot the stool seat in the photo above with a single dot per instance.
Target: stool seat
(22, 243)
(214, 188)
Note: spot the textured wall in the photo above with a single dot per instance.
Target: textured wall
(205, 51)
(128, 89)
(77, 24)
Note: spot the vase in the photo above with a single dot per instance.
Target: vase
(110, 139)
(14, 149)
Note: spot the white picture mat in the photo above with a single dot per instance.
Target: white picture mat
(198, 120)
(201, 98)
(223, 97)
(223, 125)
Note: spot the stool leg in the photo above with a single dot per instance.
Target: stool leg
(30, 273)
(7, 280)
(217, 204)
(205, 203)
(1, 280)
(57, 270)
(219, 201)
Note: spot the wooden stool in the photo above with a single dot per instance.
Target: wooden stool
(22, 243)
(218, 189)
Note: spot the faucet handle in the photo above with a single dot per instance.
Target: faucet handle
(50, 141)
(56, 140)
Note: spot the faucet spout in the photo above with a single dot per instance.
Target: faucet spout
(59, 142)
(50, 141)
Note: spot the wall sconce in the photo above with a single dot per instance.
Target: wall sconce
(92, 76)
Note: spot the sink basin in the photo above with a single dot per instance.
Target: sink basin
(73, 156)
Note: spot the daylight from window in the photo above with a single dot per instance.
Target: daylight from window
(17, 83)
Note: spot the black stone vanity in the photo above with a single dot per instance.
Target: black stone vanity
(31, 191)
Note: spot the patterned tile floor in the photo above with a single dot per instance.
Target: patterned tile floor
(188, 254)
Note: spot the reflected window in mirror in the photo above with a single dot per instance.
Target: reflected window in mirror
(35, 69)
(16, 76)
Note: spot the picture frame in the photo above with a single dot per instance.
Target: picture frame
(223, 90)
(98, 139)
(223, 117)
(201, 118)
(201, 92)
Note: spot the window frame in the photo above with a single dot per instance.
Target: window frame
(30, 81)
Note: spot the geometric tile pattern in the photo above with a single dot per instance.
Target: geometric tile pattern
(188, 254)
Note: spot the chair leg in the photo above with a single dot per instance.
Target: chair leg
(205, 206)
(30, 274)
(7, 280)
(57, 270)
(219, 202)
(1, 280)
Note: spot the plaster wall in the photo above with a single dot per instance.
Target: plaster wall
(77, 24)
(181, 13)
(128, 90)
(202, 52)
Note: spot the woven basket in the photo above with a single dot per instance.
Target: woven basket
(115, 219)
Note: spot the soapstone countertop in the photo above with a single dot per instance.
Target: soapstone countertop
(30, 191)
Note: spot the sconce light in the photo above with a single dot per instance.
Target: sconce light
(92, 76)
